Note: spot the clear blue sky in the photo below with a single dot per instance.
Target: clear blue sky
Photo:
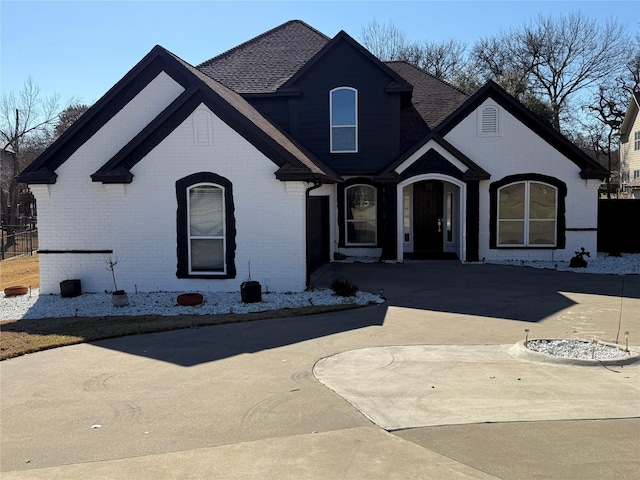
(82, 48)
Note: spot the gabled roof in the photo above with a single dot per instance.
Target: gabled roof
(589, 168)
(396, 83)
(473, 172)
(42, 169)
(265, 63)
(228, 105)
(629, 117)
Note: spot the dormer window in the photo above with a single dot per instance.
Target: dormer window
(343, 109)
(488, 122)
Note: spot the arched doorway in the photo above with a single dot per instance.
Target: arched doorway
(431, 218)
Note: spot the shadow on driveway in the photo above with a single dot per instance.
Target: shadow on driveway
(498, 291)
(503, 292)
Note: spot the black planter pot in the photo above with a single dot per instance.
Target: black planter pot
(70, 288)
(251, 292)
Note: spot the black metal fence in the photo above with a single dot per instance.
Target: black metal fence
(20, 241)
(618, 223)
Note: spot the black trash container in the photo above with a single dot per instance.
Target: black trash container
(70, 288)
(251, 292)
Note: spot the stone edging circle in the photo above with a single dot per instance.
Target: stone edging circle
(521, 352)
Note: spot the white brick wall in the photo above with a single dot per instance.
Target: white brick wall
(519, 150)
(138, 220)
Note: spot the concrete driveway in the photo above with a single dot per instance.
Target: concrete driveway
(242, 401)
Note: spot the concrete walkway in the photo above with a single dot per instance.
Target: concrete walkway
(241, 401)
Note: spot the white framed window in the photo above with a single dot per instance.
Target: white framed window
(636, 140)
(343, 113)
(361, 215)
(489, 122)
(527, 214)
(206, 229)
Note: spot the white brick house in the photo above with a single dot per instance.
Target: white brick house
(278, 160)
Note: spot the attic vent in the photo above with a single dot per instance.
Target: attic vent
(488, 122)
(202, 128)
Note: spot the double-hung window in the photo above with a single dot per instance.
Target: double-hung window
(206, 229)
(361, 215)
(636, 140)
(527, 214)
(343, 108)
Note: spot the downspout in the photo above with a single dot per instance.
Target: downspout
(317, 183)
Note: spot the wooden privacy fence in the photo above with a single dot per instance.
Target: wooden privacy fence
(619, 225)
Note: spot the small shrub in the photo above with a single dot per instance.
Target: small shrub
(578, 261)
(343, 287)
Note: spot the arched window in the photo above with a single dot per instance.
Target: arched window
(206, 227)
(527, 214)
(361, 215)
(343, 112)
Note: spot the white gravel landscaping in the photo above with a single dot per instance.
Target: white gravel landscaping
(626, 264)
(570, 348)
(34, 306)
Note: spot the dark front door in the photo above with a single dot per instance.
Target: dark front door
(317, 232)
(427, 216)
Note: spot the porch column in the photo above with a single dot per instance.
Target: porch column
(390, 217)
(473, 220)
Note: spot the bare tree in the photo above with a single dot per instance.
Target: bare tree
(384, 40)
(608, 108)
(443, 59)
(565, 56)
(25, 119)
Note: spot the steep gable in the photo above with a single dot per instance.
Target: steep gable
(42, 170)
(231, 107)
(396, 82)
(589, 168)
(420, 159)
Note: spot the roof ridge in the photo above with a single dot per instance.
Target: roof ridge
(258, 38)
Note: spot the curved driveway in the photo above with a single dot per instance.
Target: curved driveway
(241, 401)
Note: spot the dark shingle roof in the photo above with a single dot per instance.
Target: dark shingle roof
(433, 99)
(263, 64)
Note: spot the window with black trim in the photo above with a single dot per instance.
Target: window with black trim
(527, 214)
(343, 112)
(205, 227)
(528, 211)
(360, 215)
(636, 140)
